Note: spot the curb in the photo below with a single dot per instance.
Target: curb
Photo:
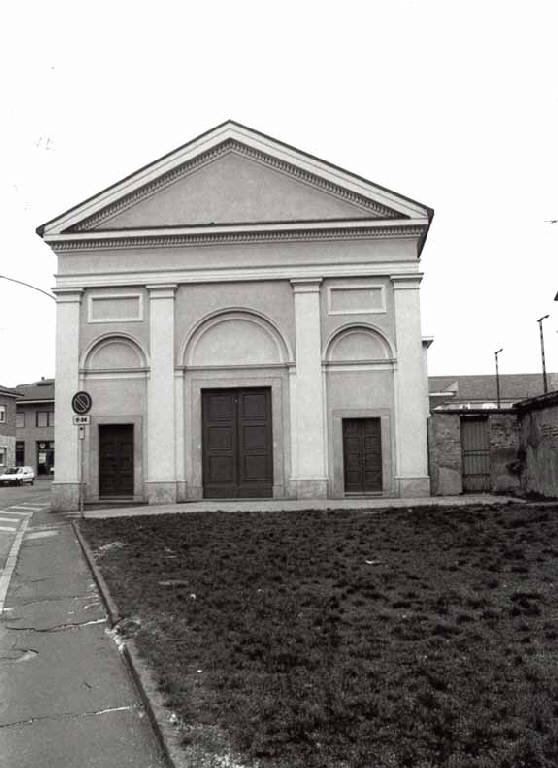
(165, 732)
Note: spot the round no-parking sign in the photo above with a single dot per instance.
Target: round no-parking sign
(81, 403)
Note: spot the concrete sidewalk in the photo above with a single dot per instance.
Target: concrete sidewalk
(67, 699)
(295, 505)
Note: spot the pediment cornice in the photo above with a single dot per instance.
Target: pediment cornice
(374, 201)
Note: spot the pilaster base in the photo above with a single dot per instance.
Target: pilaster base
(181, 490)
(157, 492)
(64, 497)
(412, 487)
(308, 488)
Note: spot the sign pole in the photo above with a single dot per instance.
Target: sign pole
(81, 405)
(81, 439)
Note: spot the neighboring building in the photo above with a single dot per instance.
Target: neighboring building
(246, 319)
(479, 392)
(35, 426)
(8, 398)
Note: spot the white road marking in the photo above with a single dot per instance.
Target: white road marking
(27, 509)
(11, 564)
(10, 519)
(41, 534)
(7, 528)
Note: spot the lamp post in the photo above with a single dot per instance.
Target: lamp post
(27, 285)
(540, 322)
(497, 377)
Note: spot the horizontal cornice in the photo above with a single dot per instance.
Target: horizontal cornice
(239, 233)
(236, 274)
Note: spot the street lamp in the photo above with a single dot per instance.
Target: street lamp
(27, 285)
(497, 377)
(540, 322)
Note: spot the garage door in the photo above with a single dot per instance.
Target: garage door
(237, 443)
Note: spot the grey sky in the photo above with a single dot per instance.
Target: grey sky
(453, 104)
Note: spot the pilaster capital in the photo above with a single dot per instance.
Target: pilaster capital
(406, 282)
(68, 295)
(163, 291)
(307, 285)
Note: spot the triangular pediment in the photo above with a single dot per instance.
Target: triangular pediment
(234, 175)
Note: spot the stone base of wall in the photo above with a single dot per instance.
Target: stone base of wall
(308, 489)
(64, 497)
(412, 487)
(160, 492)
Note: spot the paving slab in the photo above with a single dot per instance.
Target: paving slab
(49, 614)
(80, 741)
(67, 698)
(296, 505)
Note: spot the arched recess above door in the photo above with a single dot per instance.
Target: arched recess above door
(235, 337)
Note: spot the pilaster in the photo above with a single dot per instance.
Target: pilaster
(309, 478)
(161, 445)
(65, 488)
(411, 391)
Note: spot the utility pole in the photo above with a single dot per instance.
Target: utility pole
(497, 377)
(545, 383)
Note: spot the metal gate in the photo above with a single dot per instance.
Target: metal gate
(476, 454)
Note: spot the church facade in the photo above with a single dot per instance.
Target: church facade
(246, 320)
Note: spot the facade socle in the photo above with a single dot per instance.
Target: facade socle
(246, 318)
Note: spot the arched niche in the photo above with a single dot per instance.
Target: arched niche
(235, 338)
(358, 344)
(114, 353)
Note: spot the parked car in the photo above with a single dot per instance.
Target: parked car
(17, 476)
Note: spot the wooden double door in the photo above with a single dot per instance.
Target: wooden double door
(237, 443)
(362, 455)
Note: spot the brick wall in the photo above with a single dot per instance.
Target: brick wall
(538, 420)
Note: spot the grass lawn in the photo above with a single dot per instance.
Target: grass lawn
(425, 637)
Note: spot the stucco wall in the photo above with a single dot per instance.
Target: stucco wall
(115, 401)
(359, 394)
(8, 442)
(539, 439)
(31, 434)
(444, 453)
(272, 299)
(8, 427)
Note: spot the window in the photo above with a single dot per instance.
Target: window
(20, 453)
(2, 414)
(20, 419)
(2, 457)
(45, 419)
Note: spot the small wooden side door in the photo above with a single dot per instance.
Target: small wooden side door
(116, 460)
(362, 455)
